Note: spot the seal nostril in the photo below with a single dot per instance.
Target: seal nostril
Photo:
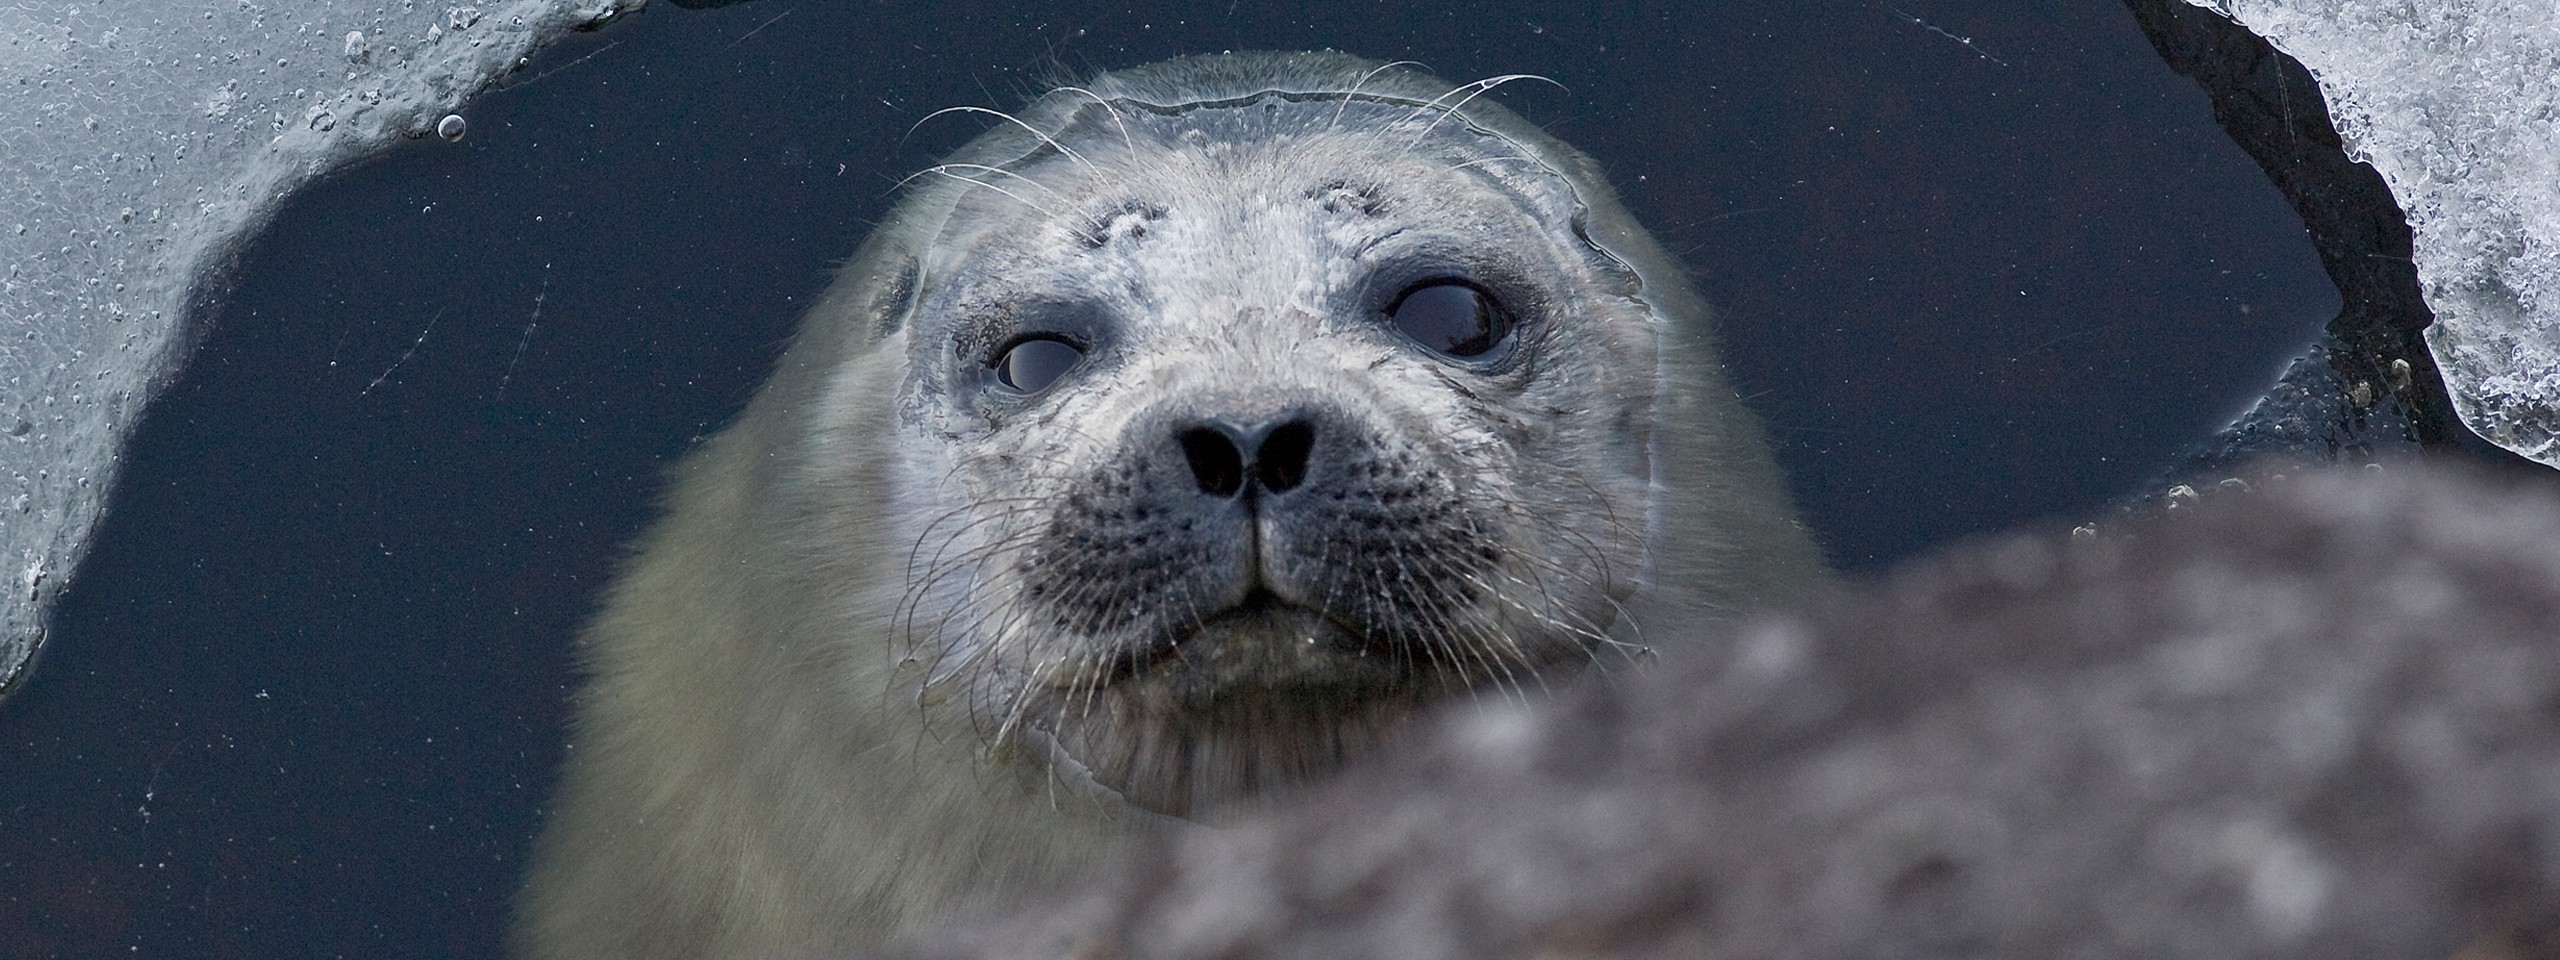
(1281, 464)
(1215, 462)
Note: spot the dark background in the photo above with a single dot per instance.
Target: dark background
(305, 696)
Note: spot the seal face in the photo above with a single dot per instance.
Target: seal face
(1260, 421)
(1171, 442)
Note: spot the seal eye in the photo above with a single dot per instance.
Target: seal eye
(1032, 365)
(1451, 319)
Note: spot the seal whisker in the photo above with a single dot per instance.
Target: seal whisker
(1025, 201)
(971, 521)
(1596, 559)
(1453, 638)
(994, 626)
(1560, 618)
(1062, 149)
(1107, 105)
(1474, 90)
(1596, 569)
(1066, 634)
(919, 579)
(1330, 557)
(1433, 650)
(1040, 663)
(946, 168)
(1597, 636)
(966, 639)
(1493, 647)
(1017, 711)
(973, 562)
(1365, 77)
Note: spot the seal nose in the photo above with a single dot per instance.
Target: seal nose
(1226, 455)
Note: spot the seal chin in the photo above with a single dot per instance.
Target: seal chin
(1263, 694)
(1266, 643)
(1180, 757)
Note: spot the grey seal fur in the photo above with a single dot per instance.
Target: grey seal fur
(1172, 442)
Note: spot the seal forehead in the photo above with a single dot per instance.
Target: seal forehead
(1271, 203)
(1115, 168)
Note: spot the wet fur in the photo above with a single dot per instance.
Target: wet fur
(827, 704)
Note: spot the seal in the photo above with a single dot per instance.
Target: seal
(1169, 444)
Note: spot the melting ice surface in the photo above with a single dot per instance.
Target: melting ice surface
(2457, 104)
(141, 141)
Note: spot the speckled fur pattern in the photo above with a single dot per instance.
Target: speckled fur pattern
(907, 639)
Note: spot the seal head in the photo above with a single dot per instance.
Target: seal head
(1254, 419)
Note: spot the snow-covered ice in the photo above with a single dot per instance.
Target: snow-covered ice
(140, 142)
(2457, 104)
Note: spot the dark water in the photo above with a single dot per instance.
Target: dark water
(304, 699)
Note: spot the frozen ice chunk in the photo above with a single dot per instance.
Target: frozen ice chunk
(139, 142)
(2457, 104)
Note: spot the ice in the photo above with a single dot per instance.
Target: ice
(2457, 104)
(140, 141)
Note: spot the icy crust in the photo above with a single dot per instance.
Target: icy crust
(2457, 104)
(140, 140)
